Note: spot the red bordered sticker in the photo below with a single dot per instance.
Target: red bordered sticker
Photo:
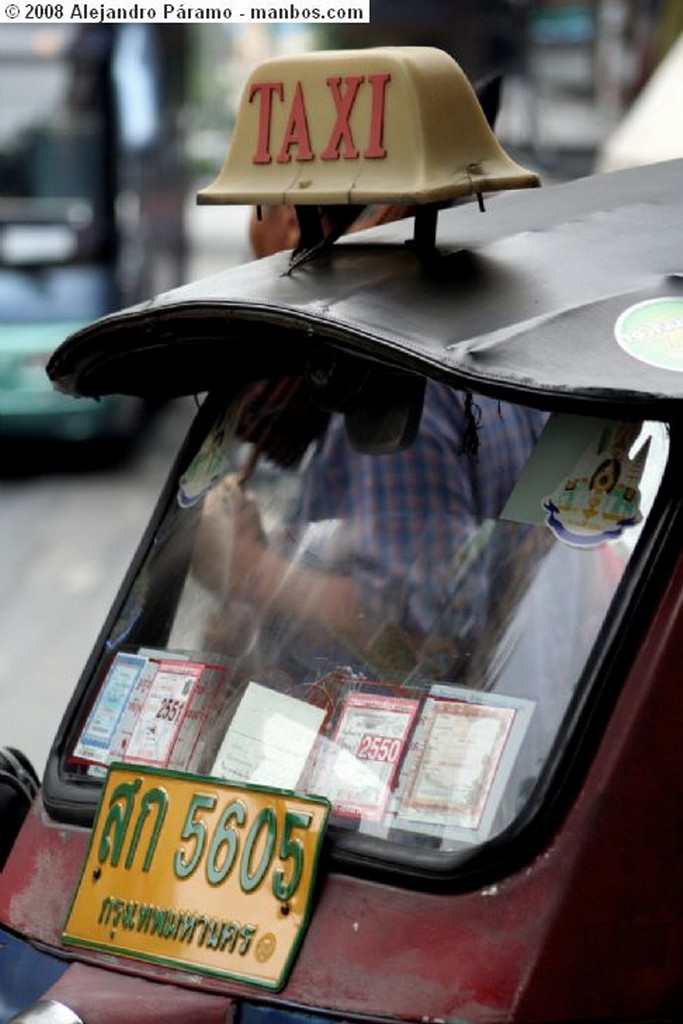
(363, 759)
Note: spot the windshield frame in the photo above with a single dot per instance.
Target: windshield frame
(584, 721)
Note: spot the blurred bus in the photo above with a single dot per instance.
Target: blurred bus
(92, 189)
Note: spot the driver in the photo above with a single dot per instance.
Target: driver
(379, 549)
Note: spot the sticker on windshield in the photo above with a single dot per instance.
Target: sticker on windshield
(209, 465)
(103, 721)
(600, 498)
(460, 760)
(151, 707)
(162, 714)
(652, 331)
(359, 769)
(269, 740)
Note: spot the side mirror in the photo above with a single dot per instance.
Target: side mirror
(18, 787)
(382, 407)
(384, 415)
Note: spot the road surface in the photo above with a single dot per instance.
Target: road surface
(67, 536)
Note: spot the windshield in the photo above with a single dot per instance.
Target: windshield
(400, 630)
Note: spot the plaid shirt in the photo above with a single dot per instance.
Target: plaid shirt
(411, 524)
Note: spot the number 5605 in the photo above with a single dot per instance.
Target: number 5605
(229, 841)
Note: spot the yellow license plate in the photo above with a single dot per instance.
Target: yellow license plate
(199, 874)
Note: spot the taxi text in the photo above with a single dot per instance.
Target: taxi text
(343, 90)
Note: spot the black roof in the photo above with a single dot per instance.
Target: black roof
(519, 302)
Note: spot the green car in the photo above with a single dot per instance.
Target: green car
(38, 310)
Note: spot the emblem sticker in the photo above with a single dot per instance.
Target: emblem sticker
(601, 497)
(209, 465)
(652, 331)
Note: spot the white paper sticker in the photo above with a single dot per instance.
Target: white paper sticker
(269, 739)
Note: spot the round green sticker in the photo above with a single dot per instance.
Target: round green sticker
(652, 331)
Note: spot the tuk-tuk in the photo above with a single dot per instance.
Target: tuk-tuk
(384, 722)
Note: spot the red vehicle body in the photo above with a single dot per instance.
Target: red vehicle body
(570, 909)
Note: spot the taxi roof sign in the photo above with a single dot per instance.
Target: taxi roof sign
(390, 124)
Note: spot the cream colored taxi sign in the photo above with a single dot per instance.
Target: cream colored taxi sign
(390, 124)
(199, 873)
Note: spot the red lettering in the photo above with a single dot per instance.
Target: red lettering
(341, 132)
(265, 90)
(296, 132)
(375, 149)
(344, 91)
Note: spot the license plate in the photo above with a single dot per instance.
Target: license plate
(199, 873)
